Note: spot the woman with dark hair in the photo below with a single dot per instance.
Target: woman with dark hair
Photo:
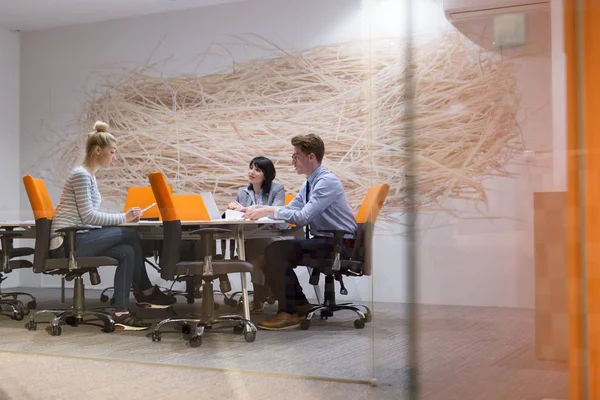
(260, 191)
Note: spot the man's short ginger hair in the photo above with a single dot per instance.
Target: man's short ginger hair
(310, 143)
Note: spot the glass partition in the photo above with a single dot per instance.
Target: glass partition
(445, 120)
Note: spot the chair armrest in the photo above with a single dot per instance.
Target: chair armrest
(10, 234)
(338, 242)
(71, 239)
(337, 231)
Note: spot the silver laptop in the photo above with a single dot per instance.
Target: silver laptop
(211, 205)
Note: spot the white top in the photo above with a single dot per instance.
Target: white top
(79, 204)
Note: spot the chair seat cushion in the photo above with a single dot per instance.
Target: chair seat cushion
(220, 267)
(82, 262)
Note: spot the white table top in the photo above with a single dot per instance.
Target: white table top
(25, 224)
(211, 222)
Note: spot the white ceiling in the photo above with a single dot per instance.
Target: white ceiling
(26, 15)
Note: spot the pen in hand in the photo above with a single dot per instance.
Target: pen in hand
(147, 208)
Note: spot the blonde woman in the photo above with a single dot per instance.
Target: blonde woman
(79, 205)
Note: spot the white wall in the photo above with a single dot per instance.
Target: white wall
(9, 132)
(475, 262)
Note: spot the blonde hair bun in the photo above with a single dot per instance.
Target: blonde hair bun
(100, 126)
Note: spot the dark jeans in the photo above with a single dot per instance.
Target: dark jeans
(122, 244)
(283, 256)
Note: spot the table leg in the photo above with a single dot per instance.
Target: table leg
(242, 257)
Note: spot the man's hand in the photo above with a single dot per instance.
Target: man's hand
(257, 212)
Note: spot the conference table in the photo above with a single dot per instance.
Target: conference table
(239, 230)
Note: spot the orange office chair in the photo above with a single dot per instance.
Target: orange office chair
(206, 270)
(71, 267)
(359, 263)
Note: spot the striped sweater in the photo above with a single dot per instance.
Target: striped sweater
(79, 204)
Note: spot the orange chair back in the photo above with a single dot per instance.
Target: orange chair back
(190, 207)
(176, 207)
(40, 201)
(372, 204)
(142, 197)
(289, 197)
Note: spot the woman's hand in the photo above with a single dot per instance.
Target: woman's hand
(133, 214)
(234, 205)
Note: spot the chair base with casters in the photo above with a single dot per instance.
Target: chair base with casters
(329, 307)
(194, 326)
(204, 273)
(7, 254)
(18, 308)
(77, 313)
(14, 308)
(335, 269)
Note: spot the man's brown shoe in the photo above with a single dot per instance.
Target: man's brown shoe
(281, 321)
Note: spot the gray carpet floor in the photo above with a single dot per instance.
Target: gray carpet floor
(464, 353)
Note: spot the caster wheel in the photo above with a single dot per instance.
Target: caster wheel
(55, 330)
(324, 315)
(305, 324)
(103, 298)
(71, 320)
(368, 317)
(155, 336)
(112, 301)
(238, 329)
(186, 329)
(250, 336)
(196, 341)
(22, 309)
(18, 316)
(359, 323)
(31, 326)
(32, 305)
(108, 327)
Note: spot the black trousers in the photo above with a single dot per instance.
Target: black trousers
(282, 256)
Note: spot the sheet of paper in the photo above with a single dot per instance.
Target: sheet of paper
(233, 215)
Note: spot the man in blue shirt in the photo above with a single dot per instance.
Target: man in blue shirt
(320, 205)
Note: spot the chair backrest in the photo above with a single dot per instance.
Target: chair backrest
(40, 201)
(365, 218)
(288, 198)
(372, 204)
(43, 212)
(190, 207)
(142, 197)
(171, 243)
